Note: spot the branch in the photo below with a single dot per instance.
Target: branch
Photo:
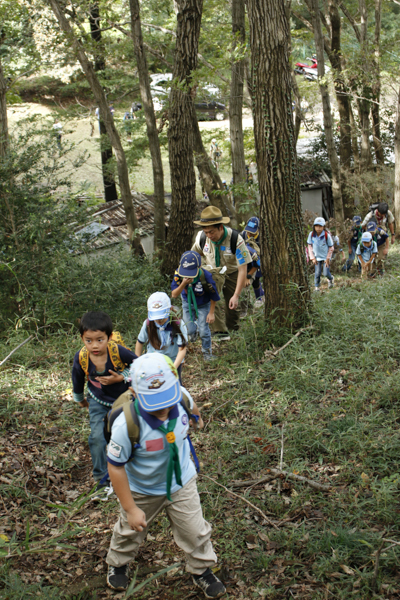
(351, 21)
(15, 349)
(150, 26)
(270, 354)
(148, 48)
(311, 483)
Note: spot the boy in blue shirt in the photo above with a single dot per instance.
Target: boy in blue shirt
(381, 238)
(199, 297)
(251, 234)
(366, 252)
(320, 248)
(353, 241)
(158, 474)
(105, 364)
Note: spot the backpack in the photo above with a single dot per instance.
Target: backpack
(112, 347)
(207, 287)
(126, 403)
(251, 242)
(234, 238)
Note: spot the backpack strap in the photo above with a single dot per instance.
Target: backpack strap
(207, 286)
(84, 360)
(132, 423)
(202, 241)
(114, 356)
(124, 403)
(117, 337)
(234, 239)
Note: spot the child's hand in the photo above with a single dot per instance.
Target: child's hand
(327, 262)
(84, 404)
(314, 261)
(110, 379)
(187, 280)
(210, 318)
(136, 519)
(247, 283)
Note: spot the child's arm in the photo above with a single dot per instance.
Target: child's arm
(139, 348)
(135, 516)
(211, 316)
(78, 383)
(177, 291)
(343, 256)
(180, 356)
(195, 411)
(311, 253)
(248, 280)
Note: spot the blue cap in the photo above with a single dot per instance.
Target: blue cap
(253, 225)
(371, 226)
(155, 381)
(366, 237)
(319, 221)
(189, 264)
(158, 306)
(357, 220)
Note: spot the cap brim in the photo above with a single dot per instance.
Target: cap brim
(207, 223)
(188, 272)
(161, 399)
(251, 230)
(155, 315)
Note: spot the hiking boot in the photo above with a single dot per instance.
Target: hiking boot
(243, 313)
(118, 577)
(103, 491)
(317, 289)
(207, 356)
(211, 586)
(221, 336)
(331, 282)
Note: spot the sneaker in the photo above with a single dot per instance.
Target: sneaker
(118, 577)
(243, 314)
(331, 282)
(221, 336)
(259, 302)
(207, 356)
(103, 491)
(209, 584)
(317, 289)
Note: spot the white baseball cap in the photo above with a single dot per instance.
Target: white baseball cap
(155, 381)
(158, 306)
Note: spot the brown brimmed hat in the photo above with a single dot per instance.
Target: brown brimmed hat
(212, 216)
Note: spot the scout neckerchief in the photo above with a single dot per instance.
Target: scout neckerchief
(191, 297)
(217, 245)
(173, 462)
(163, 334)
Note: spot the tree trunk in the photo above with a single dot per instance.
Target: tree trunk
(363, 103)
(354, 140)
(94, 22)
(3, 114)
(180, 135)
(209, 176)
(236, 109)
(151, 125)
(397, 161)
(326, 109)
(281, 223)
(105, 114)
(376, 87)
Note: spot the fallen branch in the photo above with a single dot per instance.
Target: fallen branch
(253, 482)
(270, 354)
(311, 483)
(135, 588)
(264, 516)
(15, 349)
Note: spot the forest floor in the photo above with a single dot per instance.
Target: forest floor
(325, 408)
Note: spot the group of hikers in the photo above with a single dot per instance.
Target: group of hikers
(139, 410)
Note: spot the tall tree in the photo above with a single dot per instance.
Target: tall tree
(376, 87)
(397, 160)
(326, 110)
(152, 133)
(105, 114)
(3, 113)
(180, 134)
(282, 238)
(236, 104)
(110, 189)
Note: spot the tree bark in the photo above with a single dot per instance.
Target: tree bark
(209, 175)
(376, 87)
(281, 225)
(397, 161)
(105, 114)
(180, 135)
(364, 104)
(94, 22)
(3, 114)
(151, 125)
(236, 109)
(326, 109)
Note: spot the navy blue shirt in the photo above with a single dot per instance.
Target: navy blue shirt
(380, 237)
(203, 296)
(356, 235)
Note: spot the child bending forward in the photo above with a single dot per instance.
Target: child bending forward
(160, 476)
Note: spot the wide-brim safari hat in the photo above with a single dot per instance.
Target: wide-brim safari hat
(212, 216)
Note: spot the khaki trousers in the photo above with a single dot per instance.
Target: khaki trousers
(190, 530)
(229, 320)
(380, 260)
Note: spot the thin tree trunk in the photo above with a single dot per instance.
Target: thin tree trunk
(376, 87)
(3, 114)
(354, 140)
(94, 22)
(180, 135)
(105, 114)
(326, 109)
(364, 106)
(397, 161)
(151, 125)
(283, 258)
(236, 109)
(209, 175)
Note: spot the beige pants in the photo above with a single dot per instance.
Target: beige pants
(380, 261)
(225, 318)
(190, 530)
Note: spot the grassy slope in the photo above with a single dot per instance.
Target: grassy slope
(335, 390)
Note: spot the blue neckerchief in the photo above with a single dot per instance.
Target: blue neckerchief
(163, 334)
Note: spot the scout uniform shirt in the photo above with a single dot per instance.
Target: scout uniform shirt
(367, 251)
(231, 261)
(381, 221)
(202, 296)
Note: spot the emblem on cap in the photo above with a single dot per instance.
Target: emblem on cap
(155, 384)
(157, 305)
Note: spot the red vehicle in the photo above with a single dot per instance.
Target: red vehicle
(300, 67)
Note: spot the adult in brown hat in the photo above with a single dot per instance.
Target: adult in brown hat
(224, 253)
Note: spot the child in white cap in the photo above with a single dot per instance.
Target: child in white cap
(163, 332)
(366, 253)
(320, 248)
(158, 474)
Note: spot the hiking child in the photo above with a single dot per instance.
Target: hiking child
(366, 252)
(199, 297)
(251, 234)
(383, 217)
(160, 475)
(353, 241)
(320, 248)
(382, 242)
(162, 332)
(105, 364)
